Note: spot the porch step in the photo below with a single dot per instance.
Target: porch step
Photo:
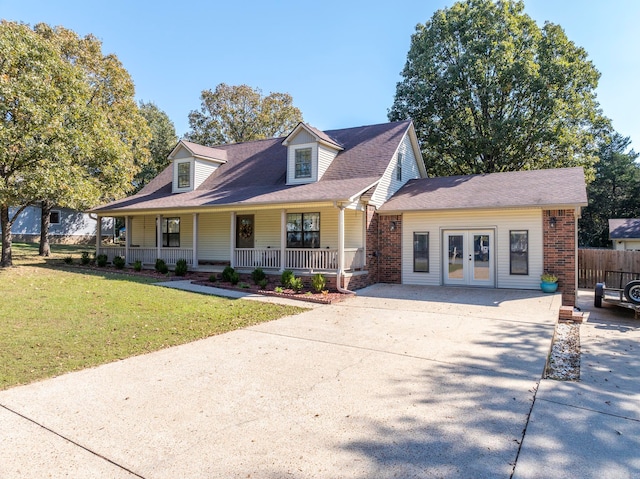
(568, 313)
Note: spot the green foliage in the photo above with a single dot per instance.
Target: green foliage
(296, 284)
(258, 275)
(263, 283)
(234, 278)
(244, 285)
(227, 272)
(318, 282)
(489, 90)
(278, 289)
(102, 260)
(615, 192)
(161, 266)
(163, 140)
(213, 278)
(119, 262)
(85, 259)
(286, 277)
(68, 259)
(181, 267)
(137, 265)
(548, 278)
(233, 114)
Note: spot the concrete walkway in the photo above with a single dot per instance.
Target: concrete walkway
(590, 428)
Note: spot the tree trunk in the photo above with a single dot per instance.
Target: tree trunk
(45, 217)
(6, 237)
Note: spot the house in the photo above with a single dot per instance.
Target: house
(624, 233)
(66, 226)
(357, 205)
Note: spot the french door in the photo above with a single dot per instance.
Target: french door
(468, 257)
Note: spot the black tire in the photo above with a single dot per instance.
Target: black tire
(632, 291)
(598, 294)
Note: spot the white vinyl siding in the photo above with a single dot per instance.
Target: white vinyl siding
(302, 137)
(501, 221)
(214, 230)
(389, 183)
(199, 170)
(202, 171)
(325, 157)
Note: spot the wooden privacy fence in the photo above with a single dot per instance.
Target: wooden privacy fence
(593, 263)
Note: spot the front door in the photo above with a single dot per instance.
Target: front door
(244, 231)
(468, 257)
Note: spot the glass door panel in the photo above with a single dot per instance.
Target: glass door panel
(481, 257)
(455, 271)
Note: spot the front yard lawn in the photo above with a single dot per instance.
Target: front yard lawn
(55, 320)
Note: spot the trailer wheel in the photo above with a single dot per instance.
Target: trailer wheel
(598, 294)
(632, 291)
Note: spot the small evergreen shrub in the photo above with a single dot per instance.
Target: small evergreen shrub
(244, 285)
(258, 275)
(102, 260)
(213, 278)
(137, 266)
(68, 260)
(227, 272)
(119, 262)
(85, 259)
(286, 277)
(181, 267)
(234, 278)
(263, 283)
(161, 266)
(318, 282)
(296, 284)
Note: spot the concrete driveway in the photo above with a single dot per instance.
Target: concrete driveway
(399, 381)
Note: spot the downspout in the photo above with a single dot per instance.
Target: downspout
(341, 251)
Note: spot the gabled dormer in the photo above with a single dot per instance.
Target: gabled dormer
(309, 154)
(192, 164)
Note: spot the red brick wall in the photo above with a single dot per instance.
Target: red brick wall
(559, 242)
(390, 249)
(372, 243)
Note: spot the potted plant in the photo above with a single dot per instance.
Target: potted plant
(549, 283)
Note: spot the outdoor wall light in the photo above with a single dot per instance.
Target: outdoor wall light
(392, 226)
(552, 221)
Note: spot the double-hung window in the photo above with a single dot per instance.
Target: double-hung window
(54, 217)
(184, 174)
(303, 230)
(303, 163)
(171, 232)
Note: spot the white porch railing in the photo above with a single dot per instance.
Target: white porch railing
(311, 259)
(257, 258)
(149, 255)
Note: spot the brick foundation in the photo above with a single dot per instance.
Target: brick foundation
(559, 250)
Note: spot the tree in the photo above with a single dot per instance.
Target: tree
(615, 192)
(163, 140)
(233, 114)
(488, 90)
(71, 132)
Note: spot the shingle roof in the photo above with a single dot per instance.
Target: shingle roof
(255, 173)
(563, 186)
(624, 228)
(205, 151)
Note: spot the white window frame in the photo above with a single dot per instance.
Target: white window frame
(59, 217)
(399, 167)
(295, 163)
(189, 175)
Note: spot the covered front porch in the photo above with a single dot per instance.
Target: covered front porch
(317, 238)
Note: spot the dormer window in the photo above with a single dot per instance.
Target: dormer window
(399, 168)
(303, 163)
(184, 174)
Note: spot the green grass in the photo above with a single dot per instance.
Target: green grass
(56, 319)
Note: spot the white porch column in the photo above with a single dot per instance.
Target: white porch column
(159, 235)
(283, 240)
(194, 265)
(232, 260)
(341, 238)
(98, 233)
(127, 238)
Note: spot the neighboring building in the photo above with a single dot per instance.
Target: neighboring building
(624, 233)
(354, 203)
(66, 226)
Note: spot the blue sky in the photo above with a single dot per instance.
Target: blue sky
(340, 60)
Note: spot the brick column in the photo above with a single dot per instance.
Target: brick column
(390, 249)
(371, 225)
(560, 252)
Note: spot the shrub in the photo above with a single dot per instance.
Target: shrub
(213, 278)
(85, 258)
(161, 266)
(286, 277)
(278, 289)
(137, 265)
(102, 260)
(244, 285)
(296, 284)
(234, 278)
(227, 272)
(68, 260)
(258, 275)
(318, 282)
(263, 283)
(181, 267)
(119, 262)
